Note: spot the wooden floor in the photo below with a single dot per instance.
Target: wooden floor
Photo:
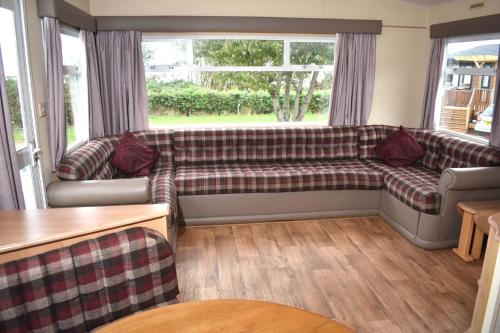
(357, 271)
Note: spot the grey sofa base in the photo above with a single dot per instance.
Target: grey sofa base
(260, 207)
(420, 229)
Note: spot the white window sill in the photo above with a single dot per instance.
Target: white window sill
(75, 146)
(469, 137)
(241, 125)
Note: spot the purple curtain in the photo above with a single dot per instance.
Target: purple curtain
(11, 194)
(55, 90)
(432, 83)
(495, 127)
(96, 120)
(353, 79)
(123, 82)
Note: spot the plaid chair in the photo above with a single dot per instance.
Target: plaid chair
(88, 284)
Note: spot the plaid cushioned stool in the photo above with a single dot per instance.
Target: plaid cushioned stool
(88, 284)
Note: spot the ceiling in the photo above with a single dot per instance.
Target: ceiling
(429, 2)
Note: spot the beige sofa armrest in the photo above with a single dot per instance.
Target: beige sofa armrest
(99, 192)
(463, 179)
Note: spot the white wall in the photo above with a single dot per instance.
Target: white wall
(81, 4)
(402, 53)
(460, 9)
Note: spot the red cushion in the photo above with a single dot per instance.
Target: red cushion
(399, 149)
(133, 157)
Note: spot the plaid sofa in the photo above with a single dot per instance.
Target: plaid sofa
(88, 284)
(200, 162)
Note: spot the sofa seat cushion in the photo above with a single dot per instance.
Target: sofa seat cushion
(415, 186)
(261, 177)
(163, 188)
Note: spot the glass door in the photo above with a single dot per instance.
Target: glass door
(19, 95)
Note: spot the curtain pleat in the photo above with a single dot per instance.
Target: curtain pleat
(96, 120)
(353, 79)
(432, 83)
(11, 194)
(55, 90)
(122, 80)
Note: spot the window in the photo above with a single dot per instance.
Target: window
(466, 103)
(75, 87)
(201, 80)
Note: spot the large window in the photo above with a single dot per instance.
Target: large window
(204, 80)
(466, 103)
(75, 87)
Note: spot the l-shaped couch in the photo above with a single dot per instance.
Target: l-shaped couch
(235, 175)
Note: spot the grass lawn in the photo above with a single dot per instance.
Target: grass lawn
(157, 120)
(20, 142)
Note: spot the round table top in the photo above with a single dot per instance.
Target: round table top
(225, 316)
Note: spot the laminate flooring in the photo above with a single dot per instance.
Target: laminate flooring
(358, 271)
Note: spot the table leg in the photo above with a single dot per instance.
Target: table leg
(465, 238)
(477, 243)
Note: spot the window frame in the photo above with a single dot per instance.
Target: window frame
(286, 67)
(71, 70)
(488, 71)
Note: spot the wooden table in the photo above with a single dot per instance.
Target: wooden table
(30, 232)
(473, 212)
(225, 316)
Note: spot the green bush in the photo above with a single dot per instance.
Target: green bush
(187, 99)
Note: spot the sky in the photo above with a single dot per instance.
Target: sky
(8, 42)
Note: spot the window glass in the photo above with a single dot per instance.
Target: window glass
(469, 86)
(75, 88)
(203, 80)
(8, 43)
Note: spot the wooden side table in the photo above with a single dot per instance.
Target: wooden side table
(225, 316)
(474, 223)
(30, 232)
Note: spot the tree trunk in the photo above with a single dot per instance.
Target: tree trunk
(303, 108)
(298, 95)
(288, 82)
(276, 98)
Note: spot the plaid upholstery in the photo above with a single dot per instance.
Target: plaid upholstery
(253, 177)
(106, 171)
(371, 135)
(206, 145)
(458, 153)
(415, 186)
(86, 285)
(163, 187)
(163, 142)
(292, 143)
(84, 162)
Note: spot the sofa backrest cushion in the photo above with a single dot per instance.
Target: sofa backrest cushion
(206, 145)
(371, 135)
(91, 160)
(459, 153)
(162, 141)
(85, 161)
(297, 143)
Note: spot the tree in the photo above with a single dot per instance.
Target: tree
(297, 87)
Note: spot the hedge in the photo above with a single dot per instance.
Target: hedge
(189, 100)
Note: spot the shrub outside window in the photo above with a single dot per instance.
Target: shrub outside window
(238, 79)
(465, 102)
(75, 87)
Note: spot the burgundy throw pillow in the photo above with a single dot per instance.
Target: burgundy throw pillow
(134, 157)
(399, 149)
